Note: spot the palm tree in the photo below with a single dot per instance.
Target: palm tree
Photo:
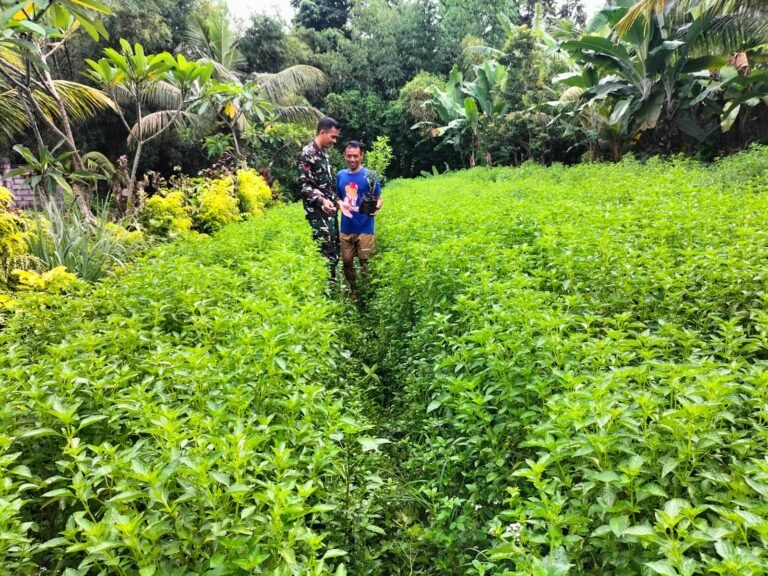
(213, 40)
(132, 77)
(733, 21)
(28, 92)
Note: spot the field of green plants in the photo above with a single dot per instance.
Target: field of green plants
(554, 371)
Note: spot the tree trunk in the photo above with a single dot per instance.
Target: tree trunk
(132, 181)
(81, 197)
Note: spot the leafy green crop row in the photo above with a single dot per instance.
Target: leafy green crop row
(188, 417)
(571, 363)
(576, 366)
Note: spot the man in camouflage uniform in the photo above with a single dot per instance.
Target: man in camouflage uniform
(318, 191)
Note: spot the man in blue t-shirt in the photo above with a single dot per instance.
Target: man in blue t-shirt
(359, 199)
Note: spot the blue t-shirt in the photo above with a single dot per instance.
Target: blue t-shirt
(353, 187)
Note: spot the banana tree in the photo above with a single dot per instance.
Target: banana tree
(463, 106)
(643, 74)
(132, 77)
(650, 63)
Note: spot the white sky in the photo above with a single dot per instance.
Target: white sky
(244, 8)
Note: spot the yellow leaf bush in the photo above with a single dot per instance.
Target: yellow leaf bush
(56, 280)
(217, 204)
(167, 215)
(130, 238)
(253, 192)
(12, 245)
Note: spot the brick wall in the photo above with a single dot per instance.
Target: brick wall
(23, 195)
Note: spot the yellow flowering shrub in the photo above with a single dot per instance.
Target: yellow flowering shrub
(217, 204)
(167, 215)
(253, 192)
(56, 280)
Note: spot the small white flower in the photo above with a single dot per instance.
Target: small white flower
(478, 506)
(512, 531)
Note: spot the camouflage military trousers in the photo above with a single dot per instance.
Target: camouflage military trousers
(325, 232)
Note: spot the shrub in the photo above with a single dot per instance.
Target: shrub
(56, 280)
(253, 193)
(574, 360)
(167, 214)
(63, 238)
(275, 149)
(217, 204)
(12, 243)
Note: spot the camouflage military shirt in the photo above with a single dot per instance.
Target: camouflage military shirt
(316, 180)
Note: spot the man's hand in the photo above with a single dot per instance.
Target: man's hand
(328, 206)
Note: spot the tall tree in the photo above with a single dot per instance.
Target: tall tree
(321, 14)
(264, 44)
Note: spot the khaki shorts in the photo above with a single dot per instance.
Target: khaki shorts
(360, 245)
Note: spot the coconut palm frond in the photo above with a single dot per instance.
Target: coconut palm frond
(305, 115)
(11, 57)
(725, 34)
(755, 10)
(157, 122)
(82, 102)
(278, 87)
(14, 120)
(121, 96)
(196, 35)
(214, 39)
(740, 29)
(97, 162)
(163, 95)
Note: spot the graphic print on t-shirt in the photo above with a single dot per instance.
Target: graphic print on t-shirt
(351, 188)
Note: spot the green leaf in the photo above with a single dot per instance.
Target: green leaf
(38, 433)
(85, 422)
(334, 553)
(372, 444)
(726, 122)
(126, 496)
(434, 405)
(758, 487)
(619, 524)
(375, 529)
(662, 567)
(288, 555)
(607, 476)
(220, 477)
(640, 531)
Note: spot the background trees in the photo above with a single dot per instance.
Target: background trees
(651, 77)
